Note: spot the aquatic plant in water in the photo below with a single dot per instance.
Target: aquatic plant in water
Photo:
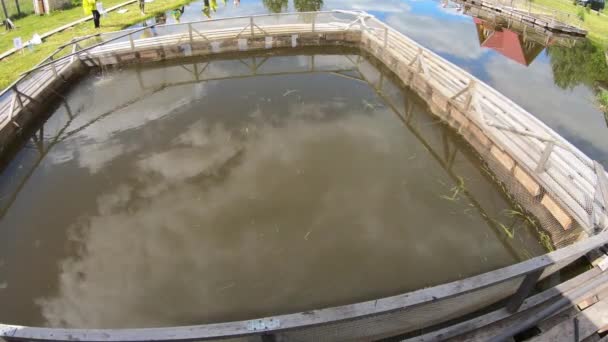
(456, 190)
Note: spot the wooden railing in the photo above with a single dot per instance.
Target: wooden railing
(573, 179)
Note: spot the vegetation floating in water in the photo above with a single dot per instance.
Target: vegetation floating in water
(456, 190)
(509, 231)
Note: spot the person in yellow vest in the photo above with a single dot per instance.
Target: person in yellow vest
(177, 13)
(207, 9)
(90, 7)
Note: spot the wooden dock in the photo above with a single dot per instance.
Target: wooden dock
(527, 12)
(527, 30)
(560, 185)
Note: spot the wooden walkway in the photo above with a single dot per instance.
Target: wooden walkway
(582, 317)
(523, 144)
(517, 10)
(578, 323)
(561, 182)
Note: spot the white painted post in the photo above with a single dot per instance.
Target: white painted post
(314, 19)
(190, 32)
(131, 41)
(12, 107)
(540, 168)
(385, 37)
(469, 99)
(19, 101)
(53, 67)
(18, 96)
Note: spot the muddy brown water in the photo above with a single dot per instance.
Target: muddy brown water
(212, 190)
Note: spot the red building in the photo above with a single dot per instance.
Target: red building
(507, 42)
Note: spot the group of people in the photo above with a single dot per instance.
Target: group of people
(211, 5)
(90, 7)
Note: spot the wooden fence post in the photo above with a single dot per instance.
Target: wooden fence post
(540, 168)
(4, 9)
(523, 291)
(131, 42)
(385, 38)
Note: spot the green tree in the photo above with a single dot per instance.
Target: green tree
(307, 5)
(585, 63)
(275, 6)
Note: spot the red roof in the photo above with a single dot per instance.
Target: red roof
(506, 42)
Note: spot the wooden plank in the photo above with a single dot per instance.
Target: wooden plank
(484, 322)
(558, 212)
(527, 181)
(590, 186)
(602, 185)
(552, 185)
(524, 290)
(36, 85)
(563, 180)
(552, 179)
(542, 163)
(300, 320)
(514, 118)
(590, 321)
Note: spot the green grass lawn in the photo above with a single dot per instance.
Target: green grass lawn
(596, 25)
(13, 66)
(31, 24)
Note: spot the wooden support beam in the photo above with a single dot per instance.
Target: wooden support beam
(544, 157)
(463, 90)
(200, 34)
(469, 98)
(602, 191)
(524, 290)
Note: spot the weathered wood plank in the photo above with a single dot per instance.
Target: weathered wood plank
(487, 320)
(590, 321)
(569, 182)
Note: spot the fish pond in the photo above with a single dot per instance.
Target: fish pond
(241, 186)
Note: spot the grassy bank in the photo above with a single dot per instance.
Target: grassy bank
(596, 24)
(11, 67)
(31, 24)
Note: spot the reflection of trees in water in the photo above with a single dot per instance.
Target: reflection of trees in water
(585, 64)
(275, 6)
(308, 5)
